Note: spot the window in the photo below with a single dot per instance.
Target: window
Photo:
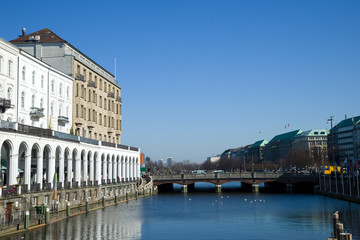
(67, 111)
(42, 81)
(41, 103)
(9, 93)
(52, 86)
(60, 110)
(10, 68)
(23, 73)
(22, 100)
(60, 89)
(68, 92)
(52, 109)
(33, 100)
(33, 78)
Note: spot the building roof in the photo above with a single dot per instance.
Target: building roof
(47, 36)
(44, 36)
(314, 133)
(260, 143)
(285, 136)
(348, 122)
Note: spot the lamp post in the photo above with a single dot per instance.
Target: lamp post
(332, 149)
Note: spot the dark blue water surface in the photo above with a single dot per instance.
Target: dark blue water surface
(210, 216)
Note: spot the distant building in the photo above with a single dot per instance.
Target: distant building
(345, 137)
(169, 161)
(256, 151)
(313, 142)
(213, 159)
(161, 162)
(280, 146)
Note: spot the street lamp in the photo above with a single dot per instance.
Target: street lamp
(333, 154)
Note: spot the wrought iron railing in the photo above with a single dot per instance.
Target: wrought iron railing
(92, 84)
(89, 140)
(36, 112)
(80, 77)
(7, 125)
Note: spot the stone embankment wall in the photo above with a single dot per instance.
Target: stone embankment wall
(57, 205)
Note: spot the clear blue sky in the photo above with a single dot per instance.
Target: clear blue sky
(199, 77)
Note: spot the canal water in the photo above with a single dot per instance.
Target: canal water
(204, 215)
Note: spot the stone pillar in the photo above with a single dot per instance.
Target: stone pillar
(61, 170)
(77, 170)
(119, 169)
(289, 188)
(130, 171)
(51, 170)
(91, 163)
(13, 168)
(255, 188)
(115, 170)
(184, 189)
(218, 188)
(69, 171)
(39, 173)
(85, 176)
(27, 171)
(97, 171)
(104, 176)
(110, 173)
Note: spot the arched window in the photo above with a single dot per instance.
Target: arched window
(41, 103)
(10, 63)
(22, 100)
(42, 81)
(9, 93)
(60, 89)
(67, 111)
(60, 110)
(33, 78)
(33, 101)
(67, 92)
(23, 73)
(52, 109)
(52, 86)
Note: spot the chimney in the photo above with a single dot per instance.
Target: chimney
(23, 31)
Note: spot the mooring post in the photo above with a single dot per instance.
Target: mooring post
(68, 209)
(87, 205)
(47, 216)
(26, 223)
(127, 196)
(103, 201)
(144, 192)
(335, 222)
(339, 230)
(218, 188)
(345, 236)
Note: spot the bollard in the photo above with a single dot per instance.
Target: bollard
(335, 222)
(26, 223)
(87, 206)
(345, 236)
(68, 209)
(47, 216)
(339, 230)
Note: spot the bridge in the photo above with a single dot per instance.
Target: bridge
(249, 180)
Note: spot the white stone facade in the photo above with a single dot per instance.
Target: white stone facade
(8, 80)
(35, 159)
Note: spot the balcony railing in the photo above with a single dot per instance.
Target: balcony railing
(7, 124)
(63, 120)
(112, 95)
(34, 130)
(36, 112)
(80, 77)
(92, 84)
(118, 99)
(4, 104)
